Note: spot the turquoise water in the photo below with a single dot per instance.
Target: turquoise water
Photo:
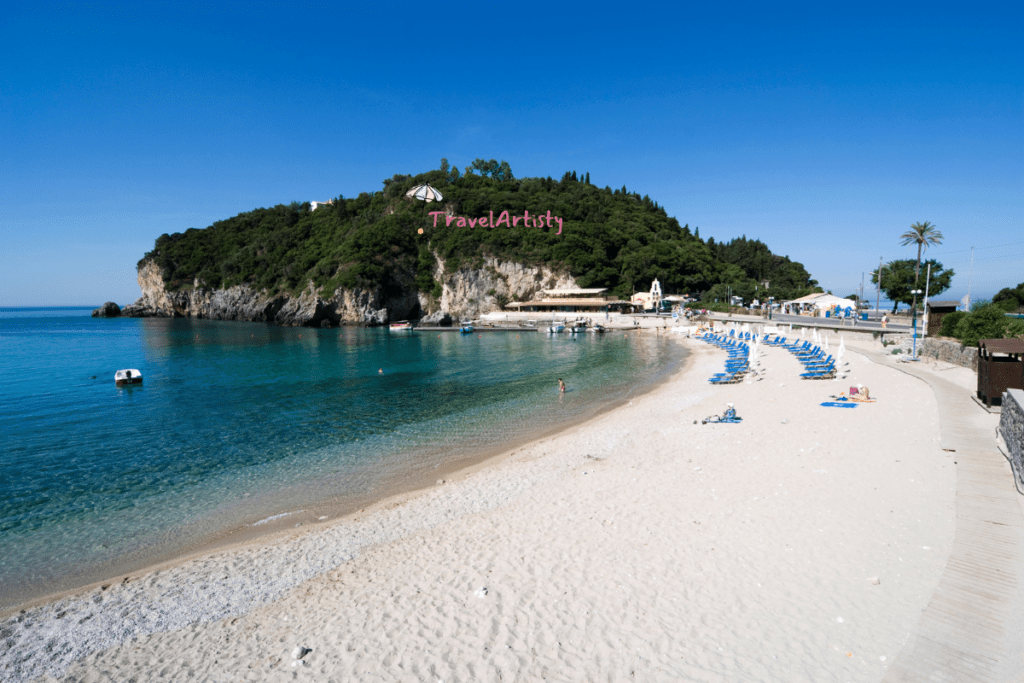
(238, 422)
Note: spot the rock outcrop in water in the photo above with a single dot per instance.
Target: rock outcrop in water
(466, 293)
(107, 310)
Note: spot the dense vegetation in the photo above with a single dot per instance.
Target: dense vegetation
(1010, 300)
(610, 238)
(984, 322)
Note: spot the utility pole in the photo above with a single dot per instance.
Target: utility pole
(970, 277)
(878, 291)
(927, 282)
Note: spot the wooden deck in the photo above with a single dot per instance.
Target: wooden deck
(973, 626)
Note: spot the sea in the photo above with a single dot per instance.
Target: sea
(241, 427)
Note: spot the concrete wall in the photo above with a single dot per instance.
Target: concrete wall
(951, 351)
(1011, 428)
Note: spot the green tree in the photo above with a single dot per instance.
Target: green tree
(923, 235)
(899, 277)
(1010, 300)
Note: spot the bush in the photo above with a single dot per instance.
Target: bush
(950, 322)
(986, 322)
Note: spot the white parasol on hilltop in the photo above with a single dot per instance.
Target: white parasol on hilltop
(424, 192)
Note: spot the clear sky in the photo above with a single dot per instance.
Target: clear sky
(824, 129)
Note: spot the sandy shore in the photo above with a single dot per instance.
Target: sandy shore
(800, 545)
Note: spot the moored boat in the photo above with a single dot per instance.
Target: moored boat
(127, 377)
(467, 328)
(401, 326)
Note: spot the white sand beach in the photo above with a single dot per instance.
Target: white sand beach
(800, 545)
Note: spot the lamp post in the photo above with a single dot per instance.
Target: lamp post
(915, 292)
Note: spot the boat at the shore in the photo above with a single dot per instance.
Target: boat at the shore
(598, 328)
(401, 326)
(467, 328)
(123, 378)
(555, 328)
(578, 328)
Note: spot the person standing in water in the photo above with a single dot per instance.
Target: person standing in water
(561, 385)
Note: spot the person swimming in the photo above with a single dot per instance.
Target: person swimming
(561, 385)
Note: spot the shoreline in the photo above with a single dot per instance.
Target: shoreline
(278, 525)
(293, 506)
(646, 523)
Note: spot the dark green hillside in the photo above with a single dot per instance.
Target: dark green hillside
(610, 238)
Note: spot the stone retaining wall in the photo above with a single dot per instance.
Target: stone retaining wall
(950, 351)
(1011, 428)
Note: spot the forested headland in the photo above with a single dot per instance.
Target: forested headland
(612, 238)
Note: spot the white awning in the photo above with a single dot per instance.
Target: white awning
(573, 292)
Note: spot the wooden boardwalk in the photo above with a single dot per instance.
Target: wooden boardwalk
(973, 626)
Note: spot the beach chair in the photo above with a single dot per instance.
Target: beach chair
(825, 373)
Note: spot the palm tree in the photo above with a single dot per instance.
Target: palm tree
(923, 235)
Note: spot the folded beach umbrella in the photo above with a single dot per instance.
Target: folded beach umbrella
(424, 192)
(826, 342)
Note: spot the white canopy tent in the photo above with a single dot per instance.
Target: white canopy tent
(819, 303)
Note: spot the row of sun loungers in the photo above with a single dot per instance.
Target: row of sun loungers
(736, 365)
(815, 362)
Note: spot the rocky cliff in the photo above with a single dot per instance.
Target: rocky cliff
(466, 293)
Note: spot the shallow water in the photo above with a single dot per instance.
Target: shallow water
(239, 422)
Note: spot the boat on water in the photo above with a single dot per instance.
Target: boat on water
(578, 328)
(598, 328)
(555, 328)
(467, 328)
(123, 378)
(401, 326)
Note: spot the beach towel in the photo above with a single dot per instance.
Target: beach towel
(839, 404)
(714, 419)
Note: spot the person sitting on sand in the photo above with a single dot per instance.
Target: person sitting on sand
(561, 385)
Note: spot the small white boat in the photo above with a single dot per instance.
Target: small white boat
(127, 377)
(401, 326)
(555, 328)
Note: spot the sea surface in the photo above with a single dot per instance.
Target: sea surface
(239, 424)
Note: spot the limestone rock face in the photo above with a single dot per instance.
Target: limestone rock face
(466, 293)
(107, 310)
(470, 292)
(241, 302)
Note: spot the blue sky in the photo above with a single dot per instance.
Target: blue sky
(823, 130)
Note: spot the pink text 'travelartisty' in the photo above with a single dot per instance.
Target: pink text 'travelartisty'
(540, 221)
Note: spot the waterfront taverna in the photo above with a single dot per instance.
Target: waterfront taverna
(570, 300)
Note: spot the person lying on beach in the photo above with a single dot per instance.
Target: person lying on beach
(863, 395)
